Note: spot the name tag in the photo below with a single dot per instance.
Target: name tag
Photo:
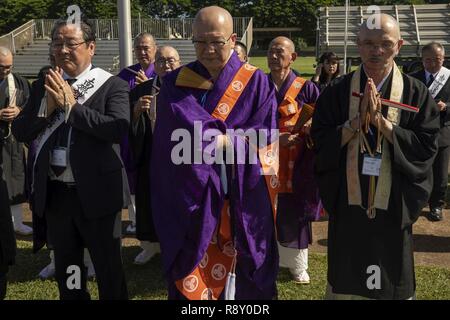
(371, 165)
(59, 157)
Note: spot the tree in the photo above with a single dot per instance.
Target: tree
(14, 13)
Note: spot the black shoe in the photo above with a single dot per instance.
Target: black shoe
(435, 214)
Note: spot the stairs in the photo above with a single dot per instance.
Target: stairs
(28, 61)
(419, 25)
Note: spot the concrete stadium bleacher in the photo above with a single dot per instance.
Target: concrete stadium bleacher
(29, 60)
(419, 25)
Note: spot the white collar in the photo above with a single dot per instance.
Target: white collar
(82, 74)
(427, 74)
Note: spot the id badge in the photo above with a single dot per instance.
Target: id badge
(371, 165)
(59, 157)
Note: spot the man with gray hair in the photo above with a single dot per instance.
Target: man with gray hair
(437, 79)
(14, 94)
(373, 168)
(144, 50)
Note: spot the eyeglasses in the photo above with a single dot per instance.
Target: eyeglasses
(216, 43)
(385, 45)
(71, 46)
(6, 67)
(170, 61)
(433, 60)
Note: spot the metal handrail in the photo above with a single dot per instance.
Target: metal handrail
(247, 37)
(173, 28)
(11, 40)
(417, 25)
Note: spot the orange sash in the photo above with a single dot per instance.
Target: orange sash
(208, 279)
(289, 113)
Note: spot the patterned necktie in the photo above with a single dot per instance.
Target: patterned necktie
(62, 139)
(430, 80)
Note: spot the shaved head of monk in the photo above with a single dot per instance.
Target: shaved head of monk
(213, 38)
(281, 54)
(379, 42)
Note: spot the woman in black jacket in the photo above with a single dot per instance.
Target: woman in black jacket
(327, 70)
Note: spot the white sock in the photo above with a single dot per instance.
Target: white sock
(301, 261)
(17, 215)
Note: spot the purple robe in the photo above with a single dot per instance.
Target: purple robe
(187, 199)
(296, 210)
(125, 150)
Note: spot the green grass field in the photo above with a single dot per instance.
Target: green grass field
(145, 282)
(303, 64)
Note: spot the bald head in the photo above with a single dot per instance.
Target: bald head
(167, 51)
(6, 62)
(381, 23)
(210, 19)
(213, 37)
(379, 42)
(280, 56)
(285, 42)
(167, 59)
(5, 52)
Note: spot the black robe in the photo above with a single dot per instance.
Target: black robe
(7, 238)
(141, 146)
(356, 242)
(13, 151)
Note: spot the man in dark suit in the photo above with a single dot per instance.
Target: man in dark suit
(76, 123)
(437, 79)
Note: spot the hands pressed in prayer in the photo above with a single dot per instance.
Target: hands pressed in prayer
(60, 93)
(141, 77)
(10, 113)
(222, 141)
(374, 105)
(142, 105)
(287, 139)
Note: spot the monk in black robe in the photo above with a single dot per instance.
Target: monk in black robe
(14, 94)
(143, 99)
(7, 239)
(370, 243)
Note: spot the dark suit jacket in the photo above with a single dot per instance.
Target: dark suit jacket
(444, 96)
(98, 125)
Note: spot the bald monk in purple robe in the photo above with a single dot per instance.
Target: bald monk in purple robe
(187, 199)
